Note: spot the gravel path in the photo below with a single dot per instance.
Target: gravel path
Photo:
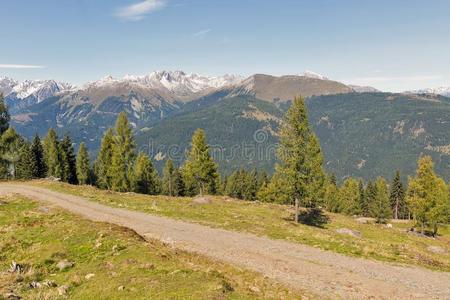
(322, 273)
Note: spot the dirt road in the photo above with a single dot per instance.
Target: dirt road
(325, 274)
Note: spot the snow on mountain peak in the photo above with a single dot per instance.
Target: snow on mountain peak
(39, 89)
(444, 91)
(311, 74)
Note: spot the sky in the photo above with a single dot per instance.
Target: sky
(393, 45)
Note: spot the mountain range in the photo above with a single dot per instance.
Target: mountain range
(363, 132)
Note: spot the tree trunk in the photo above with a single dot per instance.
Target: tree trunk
(396, 209)
(296, 210)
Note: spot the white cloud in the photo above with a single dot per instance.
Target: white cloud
(202, 33)
(12, 66)
(137, 11)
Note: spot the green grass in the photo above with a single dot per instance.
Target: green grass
(38, 238)
(275, 221)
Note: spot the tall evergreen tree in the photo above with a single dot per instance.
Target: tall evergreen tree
(349, 197)
(123, 155)
(397, 198)
(52, 154)
(104, 161)
(168, 184)
(38, 157)
(370, 195)
(362, 199)
(178, 183)
(250, 186)
(145, 177)
(332, 201)
(83, 165)
(200, 170)
(299, 174)
(26, 166)
(4, 115)
(428, 196)
(380, 208)
(10, 146)
(68, 161)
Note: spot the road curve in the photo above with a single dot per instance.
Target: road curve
(322, 273)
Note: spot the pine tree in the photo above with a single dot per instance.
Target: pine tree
(369, 194)
(362, 199)
(83, 165)
(349, 197)
(250, 185)
(200, 170)
(332, 202)
(428, 197)
(123, 155)
(179, 188)
(38, 157)
(145, 177)
(68, 161)
(52, 154)
(299, 175)
(26, 165)
(397, 198)
(380, 208)
(263, 179)
(4, 115)
(104, 161)
(10, 146)
(168, 184)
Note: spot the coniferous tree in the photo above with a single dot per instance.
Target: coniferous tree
(299, 174)
(38, 157)
(26, 166)
(52, 154)
(332, 201)
(369, 194)
(168, 184)
(123, 155)
(428, 196)
(104, 161)
(68, 161)
(362, 199)
(83, 165)
(179, 188)
(263, 179)
(145, 176)
(349, 197)
(380, 208)
(200, 170)
(10, 145)
(4, 115)
(250, 185)
(397, 198)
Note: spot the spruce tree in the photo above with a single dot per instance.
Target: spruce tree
(26, 166)
(362, 199)
(4, 115)
(38, 157)
(250, 186)
(179, 187)
(52, 154)
(349, 197)
(299, 176)
(104, 161)
(200, 171)
(332, 201)
(369, 194)
(168, 184)
(68, 161)
(428, 197)
(83, 165)
(123, 155)
(380, 208)
(145, 177)
(10, 146)
(397, 198)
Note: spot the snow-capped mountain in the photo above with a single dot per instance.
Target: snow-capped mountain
(37, 89)
(311, 74)
(178, 83)
(444, 91)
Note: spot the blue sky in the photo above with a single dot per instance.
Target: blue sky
(392, 45)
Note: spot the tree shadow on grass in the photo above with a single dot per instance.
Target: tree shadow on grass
(313, 217)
